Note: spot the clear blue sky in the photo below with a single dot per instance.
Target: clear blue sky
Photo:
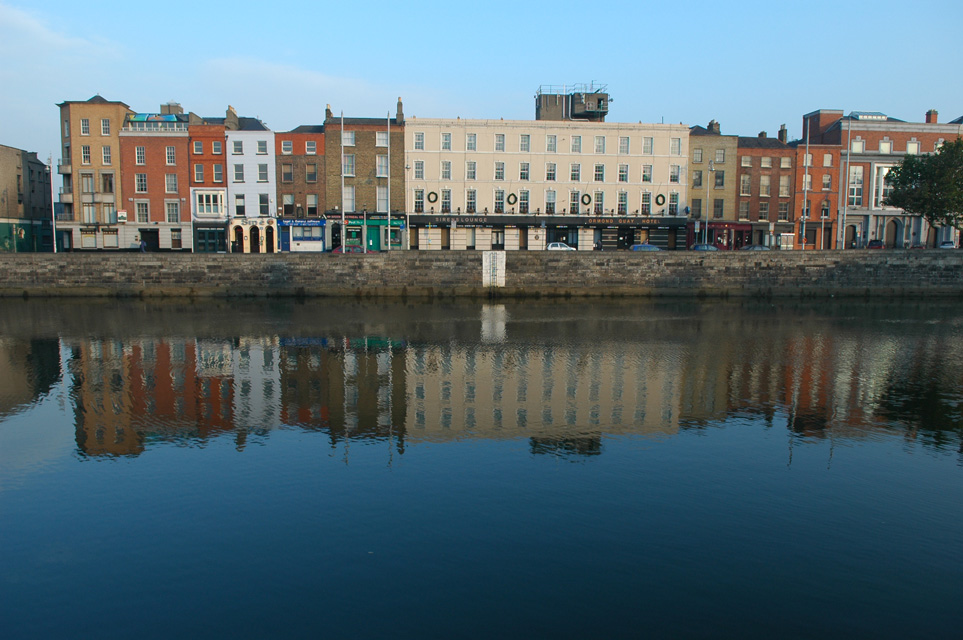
(750, 65)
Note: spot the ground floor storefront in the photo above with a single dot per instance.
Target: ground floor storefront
(368, 232)
(895, 230)
(302, 234)
(124, 236)
(20, 235)
(253, 235)
(535, 232)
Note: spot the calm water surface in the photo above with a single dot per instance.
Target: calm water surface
(576, 470)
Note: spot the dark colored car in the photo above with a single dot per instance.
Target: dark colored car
(645, 246)
(875, 244)
(704, 247)
(755, 247)
(348, 249)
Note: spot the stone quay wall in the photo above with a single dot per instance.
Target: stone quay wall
(424, 274)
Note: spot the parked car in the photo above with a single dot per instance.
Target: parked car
(875, 244)
(755, 247)
(947, 244)
(704, 247)
(348, 249)
(645, 246)
(559, 246)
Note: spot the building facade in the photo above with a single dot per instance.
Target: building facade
(154, 173)
(366, 156)
(715, 211)
(209, 207)
(26, 210)
(251, 187)
(90, 167)
(519, 184)
(765, 178)
(301, 188)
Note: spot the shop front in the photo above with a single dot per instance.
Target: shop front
(374, 232)
(301, 235)
(253, 235)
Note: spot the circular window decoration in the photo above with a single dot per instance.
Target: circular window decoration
(432, 196)
(512, 198)
(586, 199)
(660, 199)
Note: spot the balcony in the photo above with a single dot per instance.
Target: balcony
(64, 167)
(66, 195)
(65, 217)
(104, 197)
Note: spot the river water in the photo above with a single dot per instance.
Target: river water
(542, 469)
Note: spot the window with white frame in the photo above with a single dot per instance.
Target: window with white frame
(807, 182)
(623, 173)
(576, 172)
(105, 154)
(525, 142)
(551, 144)
(550, 172)
(348, 168)
(499, 170)
(623, 203)
(827, 182)
(470, 170)
(347, 139)
(262, 173)
(264, 204)
(646, 204)
(170, 183)
(347, 198)
(648, 145)
(198, 173)
(237, 147)
(198, 148)
(381, 138)
(86, 183)
(310, 147)
(763, 210)
(783, 186)
(747, 161)
(216, 147)
(857, 145)
(576, 144)
(140, 183)
(785, 162)
(718, 208)
(599, 144)
(675, 146)
(523, 201)
(311, 172)
(109, 212)
(84, 127)
(745, 182)
(88, 215)
(675, 173)
(720, 156)
(499, 142)
(697, 178)
(599, 202)
(446, 200)
(765, 186)
(886, 146)
(445, 142)
(140, 155)
(287, 172)
(287, 204)
(523, 171)
(673, 203)
(170, 156)
(471, 142)
(766, 162)
(783, 211)
(807, 159)
(550, 201)
(697, 155)
(177, 239)
(912, 147)
(419, 169)
(105, 126)
(647, 173)
(262, 147)
(287, 147)
(311, 204)
(142, 209)
(382, 197)
(827, 159)
(239, 173)
(623, 144)
(720, 179)
(419, 200)
(599, 172)
(471, 201)
(744, 210)
(499, 201)
(382, 166)
(209, 203)
(218, 173)
(173, 211)
(574, 202)
(419, 140)
(446, 170)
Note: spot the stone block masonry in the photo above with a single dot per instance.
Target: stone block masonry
(424, 274)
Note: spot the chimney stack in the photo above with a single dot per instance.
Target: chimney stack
(931, 116)
(400, 118)
(327, 112)
(714, 127)
(171, 108)
(783, 134)
(763, 134)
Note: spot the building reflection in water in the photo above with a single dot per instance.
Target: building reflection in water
(562, 384)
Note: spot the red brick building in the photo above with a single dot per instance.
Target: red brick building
(765, 188)
(209, 213)
(155, 180)
(301, 188)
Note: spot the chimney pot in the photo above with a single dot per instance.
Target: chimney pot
(762, 134)
(931, 116)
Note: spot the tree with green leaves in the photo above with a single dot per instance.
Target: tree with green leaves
(931, 185)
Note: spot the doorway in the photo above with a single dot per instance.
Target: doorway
(255, 240)
(269, 239)
(151, 238)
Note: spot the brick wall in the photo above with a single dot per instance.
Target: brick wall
(449, 273)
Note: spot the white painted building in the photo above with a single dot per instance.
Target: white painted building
(251, 188)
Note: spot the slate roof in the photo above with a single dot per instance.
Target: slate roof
(308, 128)
(756, 142)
